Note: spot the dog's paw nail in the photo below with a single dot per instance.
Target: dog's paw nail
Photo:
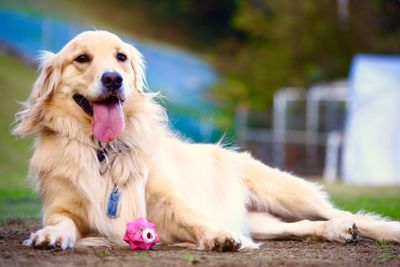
(238, 245)
(58, 242)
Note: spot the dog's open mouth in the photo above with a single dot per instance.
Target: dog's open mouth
(108, 118)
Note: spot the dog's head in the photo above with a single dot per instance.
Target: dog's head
(90, 79)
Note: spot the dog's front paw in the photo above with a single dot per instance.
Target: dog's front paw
(220, 241)
(51, 237)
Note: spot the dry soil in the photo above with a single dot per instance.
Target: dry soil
(272, 253)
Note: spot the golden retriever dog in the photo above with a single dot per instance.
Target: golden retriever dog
(104, 156)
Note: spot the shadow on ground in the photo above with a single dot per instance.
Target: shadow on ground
(272, 253)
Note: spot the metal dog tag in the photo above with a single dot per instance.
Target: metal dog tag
(113, 204)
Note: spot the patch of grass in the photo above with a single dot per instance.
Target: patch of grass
(190, 258)
(103, 253)
(262, 258)
(19, 204)
(383, 257)
(308, 239)
(17, 201)
(383, 244)
(142, 256)
(382, 200)
(279, 259)
(386, 205)
(315, 249)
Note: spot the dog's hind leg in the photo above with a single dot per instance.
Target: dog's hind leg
(293, 199)
(281, 194)
(265, 226)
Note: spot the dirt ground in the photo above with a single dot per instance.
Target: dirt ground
(272, 253)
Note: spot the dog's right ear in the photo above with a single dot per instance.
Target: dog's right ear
(138, 66)
(29, 117)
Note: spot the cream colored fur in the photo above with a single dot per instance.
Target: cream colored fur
(198, 195)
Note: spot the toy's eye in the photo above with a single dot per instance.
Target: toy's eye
(148, 235)
(121, 57)
(82, 58)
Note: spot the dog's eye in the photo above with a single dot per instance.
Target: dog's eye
(82, 58)
(121, 57)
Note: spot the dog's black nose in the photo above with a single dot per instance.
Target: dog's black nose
(112, 80)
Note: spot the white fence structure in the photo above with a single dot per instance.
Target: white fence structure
(317, 135)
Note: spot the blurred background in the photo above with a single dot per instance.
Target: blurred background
(311, 87)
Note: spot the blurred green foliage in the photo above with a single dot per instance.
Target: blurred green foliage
(203, 21)
(298, 43)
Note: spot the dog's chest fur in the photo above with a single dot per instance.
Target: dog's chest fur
(59, 161)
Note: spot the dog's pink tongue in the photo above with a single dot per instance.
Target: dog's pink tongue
(108, 121)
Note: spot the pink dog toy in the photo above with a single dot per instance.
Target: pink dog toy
(141, 234)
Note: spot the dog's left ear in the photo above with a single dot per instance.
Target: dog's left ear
(29, 117)
(138, 65)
